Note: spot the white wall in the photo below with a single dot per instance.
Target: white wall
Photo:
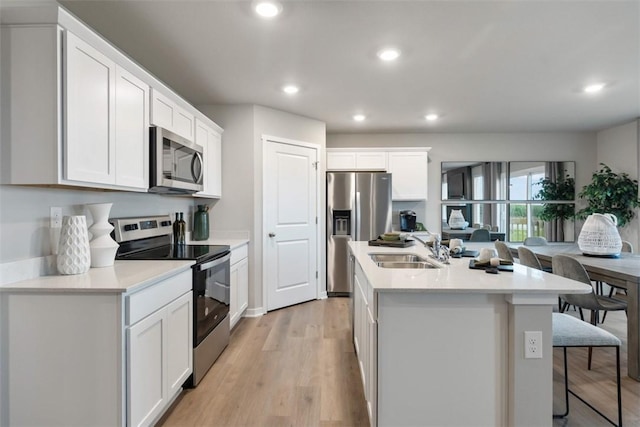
(241, 204)
(24, 213)
(619, 148)
(579, 147)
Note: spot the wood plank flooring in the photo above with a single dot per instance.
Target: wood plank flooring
(297, 367)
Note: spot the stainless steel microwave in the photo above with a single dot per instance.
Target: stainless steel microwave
(176, 164)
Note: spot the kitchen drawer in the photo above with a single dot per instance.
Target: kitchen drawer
(141, 304)
(238, 254)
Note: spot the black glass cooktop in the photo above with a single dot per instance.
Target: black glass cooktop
(199, 253)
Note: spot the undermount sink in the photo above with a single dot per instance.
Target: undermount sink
(396, 258)
(417, 264)
(401, 261)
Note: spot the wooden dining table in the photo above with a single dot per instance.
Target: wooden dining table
(623, 271)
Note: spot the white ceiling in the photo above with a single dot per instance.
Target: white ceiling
(485, 66)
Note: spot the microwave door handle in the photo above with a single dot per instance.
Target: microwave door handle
(211, 264)
(197, 178)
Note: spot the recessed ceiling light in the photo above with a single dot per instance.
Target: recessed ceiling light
(290, 89)
(431, 117)
(389, 54)
(359, 117)
(594, 88)
(267, 8)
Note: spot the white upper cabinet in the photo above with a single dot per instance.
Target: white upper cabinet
(78, 111)
(338, 159)
(167, 114)
(211, 142)
(407, 165)
(132, 130)
(408, 175)
(89, 113)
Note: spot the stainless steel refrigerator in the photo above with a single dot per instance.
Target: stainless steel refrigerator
(358, 208)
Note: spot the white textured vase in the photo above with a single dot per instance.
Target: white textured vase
(456, 220)
(74, 256)
(103, 247)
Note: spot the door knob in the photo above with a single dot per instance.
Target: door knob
(272, 234)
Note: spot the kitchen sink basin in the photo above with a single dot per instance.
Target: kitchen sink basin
(405, 258)
(416, 264)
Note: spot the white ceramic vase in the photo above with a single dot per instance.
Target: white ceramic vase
(103, 247)
(456, 220)
(600, 236)
(74, 256)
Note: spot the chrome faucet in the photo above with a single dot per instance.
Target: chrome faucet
(438, 252)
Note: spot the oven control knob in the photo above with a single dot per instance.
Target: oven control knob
(130, 227)
(165, 223)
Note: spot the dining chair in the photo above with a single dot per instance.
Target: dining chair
(528, 258)
(535, 241)
(477, 225)
(567, 332)
(503, 250)
(569, 267)
(480, 235)
(495, 228)
(626, 247)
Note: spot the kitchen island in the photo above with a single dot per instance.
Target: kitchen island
(445, 346)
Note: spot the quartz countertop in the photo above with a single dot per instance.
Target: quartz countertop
(233, 240)
(123, 276)
(458, 277)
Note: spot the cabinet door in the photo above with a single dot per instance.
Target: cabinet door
(215, 164)
(341, 160)
(162, 110)
(132, 131)
(243, 286)
(184, 123)
(239, 296)
(89, 84)
(147, 384)
(233, 295)
(372, 380)
(409, 175)
(179, 342)
(371, 160)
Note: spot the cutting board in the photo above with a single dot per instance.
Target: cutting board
(392, 243)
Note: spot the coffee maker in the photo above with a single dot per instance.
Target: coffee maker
(407, 221)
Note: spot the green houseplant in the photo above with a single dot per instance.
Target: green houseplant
(612, 193)
(560, 189)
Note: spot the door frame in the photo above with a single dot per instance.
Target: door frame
(264, 240)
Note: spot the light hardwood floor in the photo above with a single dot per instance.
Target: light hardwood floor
(297, 367)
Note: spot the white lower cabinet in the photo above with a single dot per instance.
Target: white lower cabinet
(365, 338)
(159, 357)
(95, 358)
(239, 297)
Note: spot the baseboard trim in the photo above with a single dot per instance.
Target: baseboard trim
(254, 312)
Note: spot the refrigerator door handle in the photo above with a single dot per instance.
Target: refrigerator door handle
(356, 234)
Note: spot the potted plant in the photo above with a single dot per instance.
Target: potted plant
(561, 189)
(612, 193)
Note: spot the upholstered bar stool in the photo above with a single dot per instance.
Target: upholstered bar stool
(571, 332)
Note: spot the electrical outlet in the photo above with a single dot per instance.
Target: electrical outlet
(56, 217)
(533, 344)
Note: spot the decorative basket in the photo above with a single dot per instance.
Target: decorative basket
(600, 236)
(456, 220)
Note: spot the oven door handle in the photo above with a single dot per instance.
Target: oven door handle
(215, 262)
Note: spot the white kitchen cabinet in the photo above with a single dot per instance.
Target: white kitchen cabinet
(239, 296)
(356, 160)
(167, 114)
(365, 338)
(211, 142)
(83, 114)
(93, 357)
(408, 175)
(159, 359)
(131, 131)
(89, 113)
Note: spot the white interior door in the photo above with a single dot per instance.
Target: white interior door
(290, 206)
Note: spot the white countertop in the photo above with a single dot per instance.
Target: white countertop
(458, 277)
(233, 239)
(123, 276)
